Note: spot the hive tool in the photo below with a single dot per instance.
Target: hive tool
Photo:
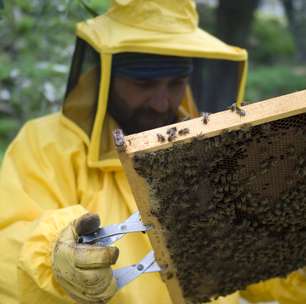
(108, 235)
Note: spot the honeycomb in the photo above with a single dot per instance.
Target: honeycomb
(232, 207)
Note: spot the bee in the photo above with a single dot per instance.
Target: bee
(232, 107)
(183, 131)
(160, 138)
(118, 137)
(301, 160)
(238, 110)
(171, 133)
(172, 130)
(205, 117)
(171, 137)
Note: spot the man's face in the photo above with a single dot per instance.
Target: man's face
(139, 105)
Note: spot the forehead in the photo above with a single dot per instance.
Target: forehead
(148, 66)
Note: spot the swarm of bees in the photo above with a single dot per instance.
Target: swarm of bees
(232, 207)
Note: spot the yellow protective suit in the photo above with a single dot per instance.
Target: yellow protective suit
(54, 171)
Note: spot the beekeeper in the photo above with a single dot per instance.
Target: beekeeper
(130, 68)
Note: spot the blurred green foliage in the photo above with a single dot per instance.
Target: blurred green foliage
(271, 41)
(272, 51)
(270, 81)
(37, 41)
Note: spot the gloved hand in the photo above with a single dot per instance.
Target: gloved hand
(83, 270)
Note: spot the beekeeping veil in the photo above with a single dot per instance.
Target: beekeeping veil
(161, 27)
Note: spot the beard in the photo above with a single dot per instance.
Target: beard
(138, 120)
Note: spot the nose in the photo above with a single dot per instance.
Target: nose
(159, 100)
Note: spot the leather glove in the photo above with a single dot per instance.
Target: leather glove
(82, 270)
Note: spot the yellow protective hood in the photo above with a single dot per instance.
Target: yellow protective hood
(165, 27)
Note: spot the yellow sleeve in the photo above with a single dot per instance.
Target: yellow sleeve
(230, 299)
(289, 290)
(257, 292)
(38, 199)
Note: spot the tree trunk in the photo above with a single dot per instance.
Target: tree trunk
(234, 20)
(296, 16)
(233, 26)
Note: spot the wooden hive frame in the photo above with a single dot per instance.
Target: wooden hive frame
(157, 140)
